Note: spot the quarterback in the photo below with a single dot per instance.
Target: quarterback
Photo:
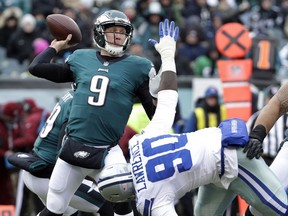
(163, 166)
(108, 81)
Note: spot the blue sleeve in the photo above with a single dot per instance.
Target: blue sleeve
(191, 124)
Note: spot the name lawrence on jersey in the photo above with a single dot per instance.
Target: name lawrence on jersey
(137, 167)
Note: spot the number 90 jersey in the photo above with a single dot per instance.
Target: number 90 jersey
(165, 167)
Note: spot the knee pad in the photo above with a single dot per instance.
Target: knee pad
(56, 202)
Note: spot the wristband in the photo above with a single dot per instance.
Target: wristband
(259, 132)
(168, 64)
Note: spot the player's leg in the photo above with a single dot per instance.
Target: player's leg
(87, 200)
(115, 156)
(212, 200)
(64, 181)
(82, 200)
(37, 185)
(279, 168)
(259, 186)
(279, 165)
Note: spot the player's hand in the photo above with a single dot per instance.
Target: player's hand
(61, 44)
(168, 37)
(166, 48)
(254, 148)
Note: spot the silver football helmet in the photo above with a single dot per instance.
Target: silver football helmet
(108, 19)
(115, 183)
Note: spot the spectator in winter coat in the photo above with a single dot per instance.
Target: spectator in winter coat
(6, 189)
(20, 45)
(9, 21)
(32, 121)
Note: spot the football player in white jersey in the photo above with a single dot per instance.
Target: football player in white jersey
(165, 166)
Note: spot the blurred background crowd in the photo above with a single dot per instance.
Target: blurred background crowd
(24, 34)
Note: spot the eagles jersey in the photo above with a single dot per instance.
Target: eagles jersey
(45, 145)
(165, 167)
(104, 96)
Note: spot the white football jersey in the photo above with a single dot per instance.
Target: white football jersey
(165, 167)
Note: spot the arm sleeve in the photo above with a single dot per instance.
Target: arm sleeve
(164, 116)
(276, 107)
(42, 67)
(146, 99)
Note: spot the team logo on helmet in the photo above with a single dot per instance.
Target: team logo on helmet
(125, 187)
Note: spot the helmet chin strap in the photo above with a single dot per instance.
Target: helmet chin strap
(113, 50)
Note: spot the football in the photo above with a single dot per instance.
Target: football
(60, 26)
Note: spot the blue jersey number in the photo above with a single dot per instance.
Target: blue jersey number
(163, 166)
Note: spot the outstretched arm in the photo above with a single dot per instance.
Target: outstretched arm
(42, 67)
(167, 91)
(276, 107)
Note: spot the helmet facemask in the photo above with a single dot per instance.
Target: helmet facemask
(109, 19)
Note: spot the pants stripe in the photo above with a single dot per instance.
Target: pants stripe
(262, 191)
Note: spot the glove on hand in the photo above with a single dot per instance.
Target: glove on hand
(166, 48)
(167, 44)
(254, 147)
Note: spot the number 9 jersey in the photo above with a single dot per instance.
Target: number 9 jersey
(104, 95)
(166, 167)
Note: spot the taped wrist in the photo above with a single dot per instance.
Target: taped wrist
(168, 63)
(259, 132)
(166, 49)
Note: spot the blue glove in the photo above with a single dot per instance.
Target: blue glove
(167, 44)
(166, 48)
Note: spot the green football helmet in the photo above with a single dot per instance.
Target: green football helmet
(115, 183)
(108, 19)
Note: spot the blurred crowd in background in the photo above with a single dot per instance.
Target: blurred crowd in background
(24, 34)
